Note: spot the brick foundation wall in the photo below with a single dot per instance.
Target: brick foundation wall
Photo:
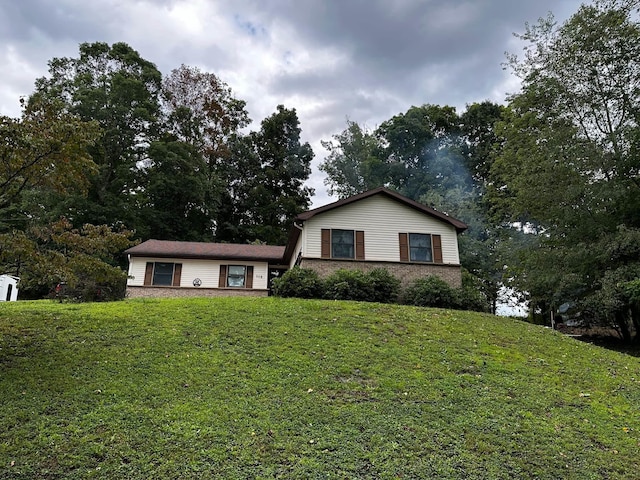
(405, 272)
(172, 292)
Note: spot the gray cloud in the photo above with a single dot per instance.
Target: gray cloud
(365, 60)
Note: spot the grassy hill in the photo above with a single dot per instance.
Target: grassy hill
(283, 388)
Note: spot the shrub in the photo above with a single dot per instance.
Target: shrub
(385, 286)
(430, 292)
(299, 282)
(471, 296)
(348, 285)
(377, 286)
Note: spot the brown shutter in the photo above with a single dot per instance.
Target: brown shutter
(436, 244)
(177, 274)
(248, 283)
(148, 274)
(404, 247)
(223, 277)
(325, 243)
(359, 245)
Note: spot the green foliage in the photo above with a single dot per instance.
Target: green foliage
(177, 192)
(80, 259)
(348, 285)
(355, 163)
(236, 388)
(375, 286)
(299, 282)
(568, 168)
(115, 87)
(266, 184)
(44, 150)
(471, 295)
(430, 292)
(385, 287)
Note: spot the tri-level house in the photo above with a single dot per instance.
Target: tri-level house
(377, 228)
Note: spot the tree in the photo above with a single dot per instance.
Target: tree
(117, 88)
(354, 164)
(272, 189)
(81, 259)
(569, 169)
(176, 190)
(44, 150)
(423, 149)
(201, 111)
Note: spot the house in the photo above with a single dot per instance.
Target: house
(377, 228)
(161, 268)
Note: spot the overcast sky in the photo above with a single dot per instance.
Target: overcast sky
(331, 60)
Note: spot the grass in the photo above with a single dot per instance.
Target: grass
(283, 388)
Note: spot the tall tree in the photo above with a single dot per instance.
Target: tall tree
(569, 169)
(176, 189)
(277, 192)
(116, 87)
(423, 150)
(355, 162)
(201, 112)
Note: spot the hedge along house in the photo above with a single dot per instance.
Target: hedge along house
(375, 229)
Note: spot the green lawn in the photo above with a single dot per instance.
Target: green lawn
(283, 388)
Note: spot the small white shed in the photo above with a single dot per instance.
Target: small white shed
(8, 288)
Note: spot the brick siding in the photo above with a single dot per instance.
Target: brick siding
(405, 272)
(170, 292)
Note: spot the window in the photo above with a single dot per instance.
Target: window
(236, 275)
(164, 274)
(342, 244)
(420, 247)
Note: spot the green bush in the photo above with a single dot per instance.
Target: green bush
(385, 286)
(430, 292)
(470, 296)
(348, 285)
(299, 282)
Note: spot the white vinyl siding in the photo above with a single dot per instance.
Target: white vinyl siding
(296, 251)
(381, 219)
(208, 271)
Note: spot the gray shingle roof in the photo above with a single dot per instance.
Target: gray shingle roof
(204, 250)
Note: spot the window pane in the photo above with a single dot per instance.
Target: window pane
(419, 240)
(342, 244)
(420, 247)
(163, 274)
(236, 270)
(235, 275)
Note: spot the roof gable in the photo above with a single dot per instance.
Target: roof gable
(294, 233)
(457, 224)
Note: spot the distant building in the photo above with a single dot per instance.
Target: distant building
(8, 288)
